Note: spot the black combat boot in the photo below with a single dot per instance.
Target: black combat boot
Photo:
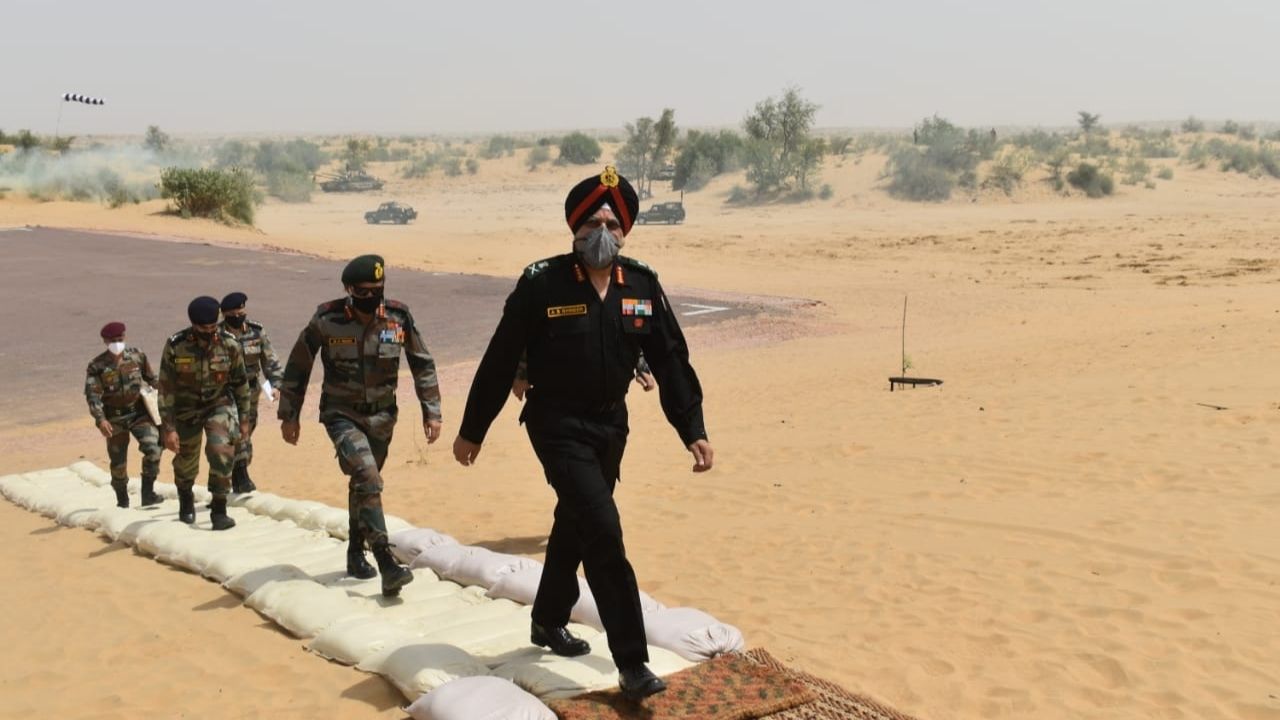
(218, 514)
(394, 575)
(638, 682)
(187, 505)
(240, 480)
(149, 496)
(558, 640)
(122, 496)
(357, 565)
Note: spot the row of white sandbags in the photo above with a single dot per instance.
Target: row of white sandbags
(436, 634)
(307, 514)
(689, 632)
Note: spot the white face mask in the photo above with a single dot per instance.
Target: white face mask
(116, 347)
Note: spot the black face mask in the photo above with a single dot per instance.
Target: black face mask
(235, 321)
(367, 305)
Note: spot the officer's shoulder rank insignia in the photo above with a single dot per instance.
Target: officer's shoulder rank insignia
(637, 264)
(535, 268)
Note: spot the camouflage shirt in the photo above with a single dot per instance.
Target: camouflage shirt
(195, 376)
(259, 358)
(361, 362)
(113, 385)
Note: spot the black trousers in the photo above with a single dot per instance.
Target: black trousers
(581, 455)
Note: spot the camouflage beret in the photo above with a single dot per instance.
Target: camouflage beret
(234, 301)
(112, 329)
(364, 269)
(203, 311)
(608, 187)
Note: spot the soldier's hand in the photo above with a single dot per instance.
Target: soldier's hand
(703, 455)
(519, 388)
(290, 430)
(465, 451)
(432, 430)
(245, 430)
(171, 441)
(106, 428)
(646, 381)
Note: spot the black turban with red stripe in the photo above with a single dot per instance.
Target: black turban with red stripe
(606, 188)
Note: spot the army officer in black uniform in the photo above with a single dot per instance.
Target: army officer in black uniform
(584, 318)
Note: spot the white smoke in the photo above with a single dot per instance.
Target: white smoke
(111, 174)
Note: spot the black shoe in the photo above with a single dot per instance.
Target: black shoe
(559, 640)
(357, 565)
(218, 515)
(122, 497)
(186, 506)
(638, 682)
(394, 575)
(240, 480)
(149, 496)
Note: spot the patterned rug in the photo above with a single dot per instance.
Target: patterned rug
(831, 701)
(730, 687)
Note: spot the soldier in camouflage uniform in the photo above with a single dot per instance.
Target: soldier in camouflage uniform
(203, 392)
(259, 361)
(359, 339)
(113, 386)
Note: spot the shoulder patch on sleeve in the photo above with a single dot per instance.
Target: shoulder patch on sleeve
(535, 269)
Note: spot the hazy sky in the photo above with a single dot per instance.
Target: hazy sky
(427, 67)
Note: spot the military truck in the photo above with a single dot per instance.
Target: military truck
(393, 212)
(350, 181)
(667, 212)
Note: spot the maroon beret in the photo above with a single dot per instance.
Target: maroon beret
(112, 329)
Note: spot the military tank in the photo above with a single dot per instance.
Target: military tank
(350, 181)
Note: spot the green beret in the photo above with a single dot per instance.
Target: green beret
(364, 269)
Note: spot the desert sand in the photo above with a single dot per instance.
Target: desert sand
(1081, 522)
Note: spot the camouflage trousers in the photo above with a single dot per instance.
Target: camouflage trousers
(139, 424)
(221, 427)
(361, 446)
(244, 446)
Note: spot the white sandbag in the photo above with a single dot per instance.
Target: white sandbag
(356, 639)
(90, 473)
(15, 486)
(416, 668)
(691, 633)
(479, 698)
(469, 609)
(556, 677)
(249, 582)
(265, 504)
(406, 545)
(325, 517)
(484, 567)
(420, 616)
(425, 585)
(195, 553)
(586, 612)
(500, 640)
(441, 558)
(80, 517)
(231, 563)
(137, 522)
(296, 511)
(162, 538)
(302, 607)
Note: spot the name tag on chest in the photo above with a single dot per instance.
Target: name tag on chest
(566, 310)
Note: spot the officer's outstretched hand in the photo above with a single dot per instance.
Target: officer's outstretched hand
(432, 430)
(646, 381)
(104, 427)
(290, 430)
(465, 451)
(703, 455)
(171, 441)
(519, 388)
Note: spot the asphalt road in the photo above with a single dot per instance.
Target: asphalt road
(58, 287)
